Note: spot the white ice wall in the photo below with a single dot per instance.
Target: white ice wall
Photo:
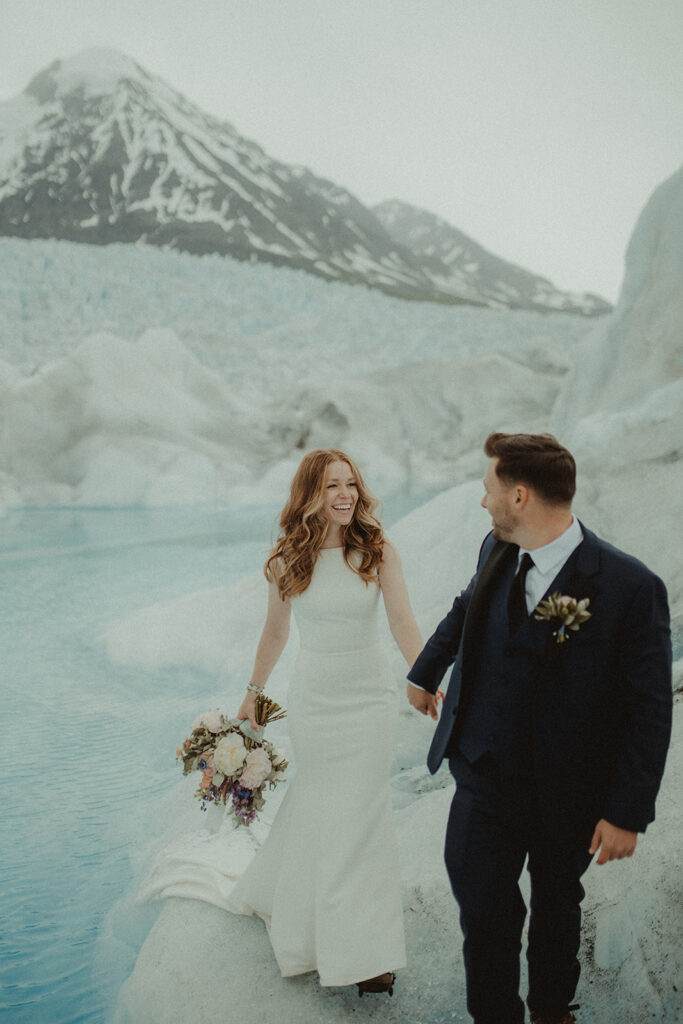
(620, 409)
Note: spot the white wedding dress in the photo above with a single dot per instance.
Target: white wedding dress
(326, 879)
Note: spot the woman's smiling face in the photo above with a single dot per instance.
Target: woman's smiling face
(341, 493)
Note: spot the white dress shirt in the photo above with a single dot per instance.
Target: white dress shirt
(548, 561)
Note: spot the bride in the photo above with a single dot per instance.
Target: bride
(326, 880)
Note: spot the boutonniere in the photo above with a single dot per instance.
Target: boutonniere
(563, 612)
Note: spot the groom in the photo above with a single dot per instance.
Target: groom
(556, 738)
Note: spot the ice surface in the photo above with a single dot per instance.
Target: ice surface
(631, 955)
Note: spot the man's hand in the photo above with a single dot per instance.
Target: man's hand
(424, 702)
(613, 843)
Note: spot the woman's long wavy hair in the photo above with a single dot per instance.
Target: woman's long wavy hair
(304, 526)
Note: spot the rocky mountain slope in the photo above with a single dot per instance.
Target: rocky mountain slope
(453, 260)
(98, 150)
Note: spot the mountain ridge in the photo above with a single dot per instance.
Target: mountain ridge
(99, 150)
(438, 243)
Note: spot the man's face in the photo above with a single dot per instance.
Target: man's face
(499, 502)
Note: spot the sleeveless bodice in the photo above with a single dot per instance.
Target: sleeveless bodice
(337, 612)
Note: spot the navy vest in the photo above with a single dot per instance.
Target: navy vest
(497, 720)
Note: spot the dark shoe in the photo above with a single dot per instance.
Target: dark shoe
(382, 983)
(554, 1018)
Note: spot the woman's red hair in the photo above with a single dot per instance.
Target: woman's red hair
(304, 526)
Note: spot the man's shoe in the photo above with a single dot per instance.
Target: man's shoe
(554, 1018)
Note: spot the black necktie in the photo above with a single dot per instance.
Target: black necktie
(517, 611)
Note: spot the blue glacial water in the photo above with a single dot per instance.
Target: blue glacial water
(83, 751)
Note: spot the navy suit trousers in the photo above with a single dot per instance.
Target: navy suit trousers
(494, 825)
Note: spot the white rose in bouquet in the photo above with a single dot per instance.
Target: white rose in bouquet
(229, 754)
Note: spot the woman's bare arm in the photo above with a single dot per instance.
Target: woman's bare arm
(402, 622)
(403, 625)
(274, 637)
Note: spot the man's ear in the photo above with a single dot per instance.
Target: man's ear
(521, 496)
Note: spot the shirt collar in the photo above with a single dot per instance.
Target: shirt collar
(552, 556)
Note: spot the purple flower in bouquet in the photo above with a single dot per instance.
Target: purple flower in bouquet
(242, 803)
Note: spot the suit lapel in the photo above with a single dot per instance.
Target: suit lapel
(497, 562)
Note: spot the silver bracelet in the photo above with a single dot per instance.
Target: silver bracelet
(253, 688)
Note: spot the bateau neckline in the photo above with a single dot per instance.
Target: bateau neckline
(337, 547)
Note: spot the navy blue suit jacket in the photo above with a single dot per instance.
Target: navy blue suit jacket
(601, 713)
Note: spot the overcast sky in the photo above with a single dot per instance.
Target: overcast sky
(538, 127)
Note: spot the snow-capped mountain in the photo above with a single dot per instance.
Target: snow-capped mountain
(477, 273)
(98, 150)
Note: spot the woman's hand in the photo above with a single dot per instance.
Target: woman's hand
(424, 702)
(248, 709)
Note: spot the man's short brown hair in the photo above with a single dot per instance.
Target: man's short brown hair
(537, 460)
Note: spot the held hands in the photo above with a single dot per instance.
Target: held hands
(424, 702)
(613, 843)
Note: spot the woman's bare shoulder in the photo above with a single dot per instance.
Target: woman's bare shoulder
(389, 549)
(390, 556)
